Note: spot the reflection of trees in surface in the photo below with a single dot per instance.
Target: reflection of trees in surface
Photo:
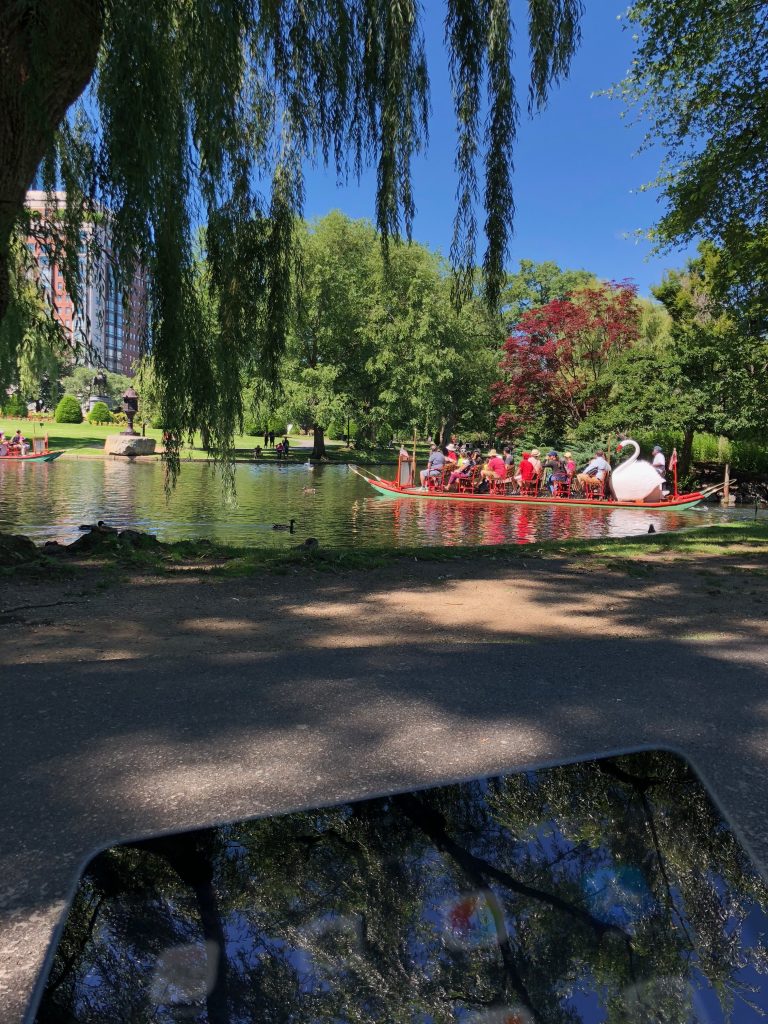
(609, 890)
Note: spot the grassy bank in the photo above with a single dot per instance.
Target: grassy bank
(699, 543)
(633, 555)
(87, 439)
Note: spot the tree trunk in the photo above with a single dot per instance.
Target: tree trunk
(446, 426)
(318, 444)
(47, 57)
(193, 863)
(686, 453)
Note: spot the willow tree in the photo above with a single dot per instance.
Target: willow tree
(170, 113)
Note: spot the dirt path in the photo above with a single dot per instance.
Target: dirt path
(177, 701)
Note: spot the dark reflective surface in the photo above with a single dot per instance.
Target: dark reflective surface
(609, 890)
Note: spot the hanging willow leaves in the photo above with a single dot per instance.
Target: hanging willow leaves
(202, 114)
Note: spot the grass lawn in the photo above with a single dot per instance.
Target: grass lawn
(88, 438)
(634, 556)
(69, 436)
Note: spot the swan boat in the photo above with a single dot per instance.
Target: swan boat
(32, 457)
(635, 484)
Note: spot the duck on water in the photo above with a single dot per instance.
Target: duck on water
(290, 527)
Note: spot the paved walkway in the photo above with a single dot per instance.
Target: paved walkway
(219, 700)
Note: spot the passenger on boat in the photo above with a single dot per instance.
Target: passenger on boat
(450, 455)
(20, 443)
(464, 469)
(404, 467)
(555, 467)
(660, 465)
(494, 469)
(3, 444)
(570, 465)
(435, 464)
(594, 472)
(535, 458)
(509, 459)
(524, 473)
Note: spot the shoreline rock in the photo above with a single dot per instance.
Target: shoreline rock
(16, 549)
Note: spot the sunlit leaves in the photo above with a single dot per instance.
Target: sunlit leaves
(206, 113)
(699, 83)
(557, 355)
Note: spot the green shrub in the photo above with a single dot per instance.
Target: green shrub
(15, 407)
(99, 414)
(120, 418)
(68, 410)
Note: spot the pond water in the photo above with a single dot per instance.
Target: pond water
(48, 501)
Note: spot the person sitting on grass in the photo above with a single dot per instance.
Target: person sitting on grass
(435, 465)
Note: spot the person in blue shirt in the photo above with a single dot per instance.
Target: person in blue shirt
(435, 465)
(595, 472)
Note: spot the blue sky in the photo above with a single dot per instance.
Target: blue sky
(576, 176)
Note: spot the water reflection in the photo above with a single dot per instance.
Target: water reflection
(609, 890)
(50, 500)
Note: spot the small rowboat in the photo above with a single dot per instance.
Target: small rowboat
(32, 457)
(391, 490)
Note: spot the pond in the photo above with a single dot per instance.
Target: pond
(49, 501)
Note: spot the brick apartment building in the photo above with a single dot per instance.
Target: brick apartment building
(112, 324)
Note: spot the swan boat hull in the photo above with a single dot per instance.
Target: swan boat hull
(391, 490)
(39, 457)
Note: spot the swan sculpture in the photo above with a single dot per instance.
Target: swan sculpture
(635, 479)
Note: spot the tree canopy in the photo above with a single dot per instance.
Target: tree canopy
(206, 113)
(556, 359)
(698, 80)
(379, 341)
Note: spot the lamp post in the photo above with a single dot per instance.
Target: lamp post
(130, 408)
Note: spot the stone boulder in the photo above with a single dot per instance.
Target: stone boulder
(122, 444)
(15, 550)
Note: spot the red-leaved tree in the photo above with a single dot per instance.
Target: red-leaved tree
(555, 360)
